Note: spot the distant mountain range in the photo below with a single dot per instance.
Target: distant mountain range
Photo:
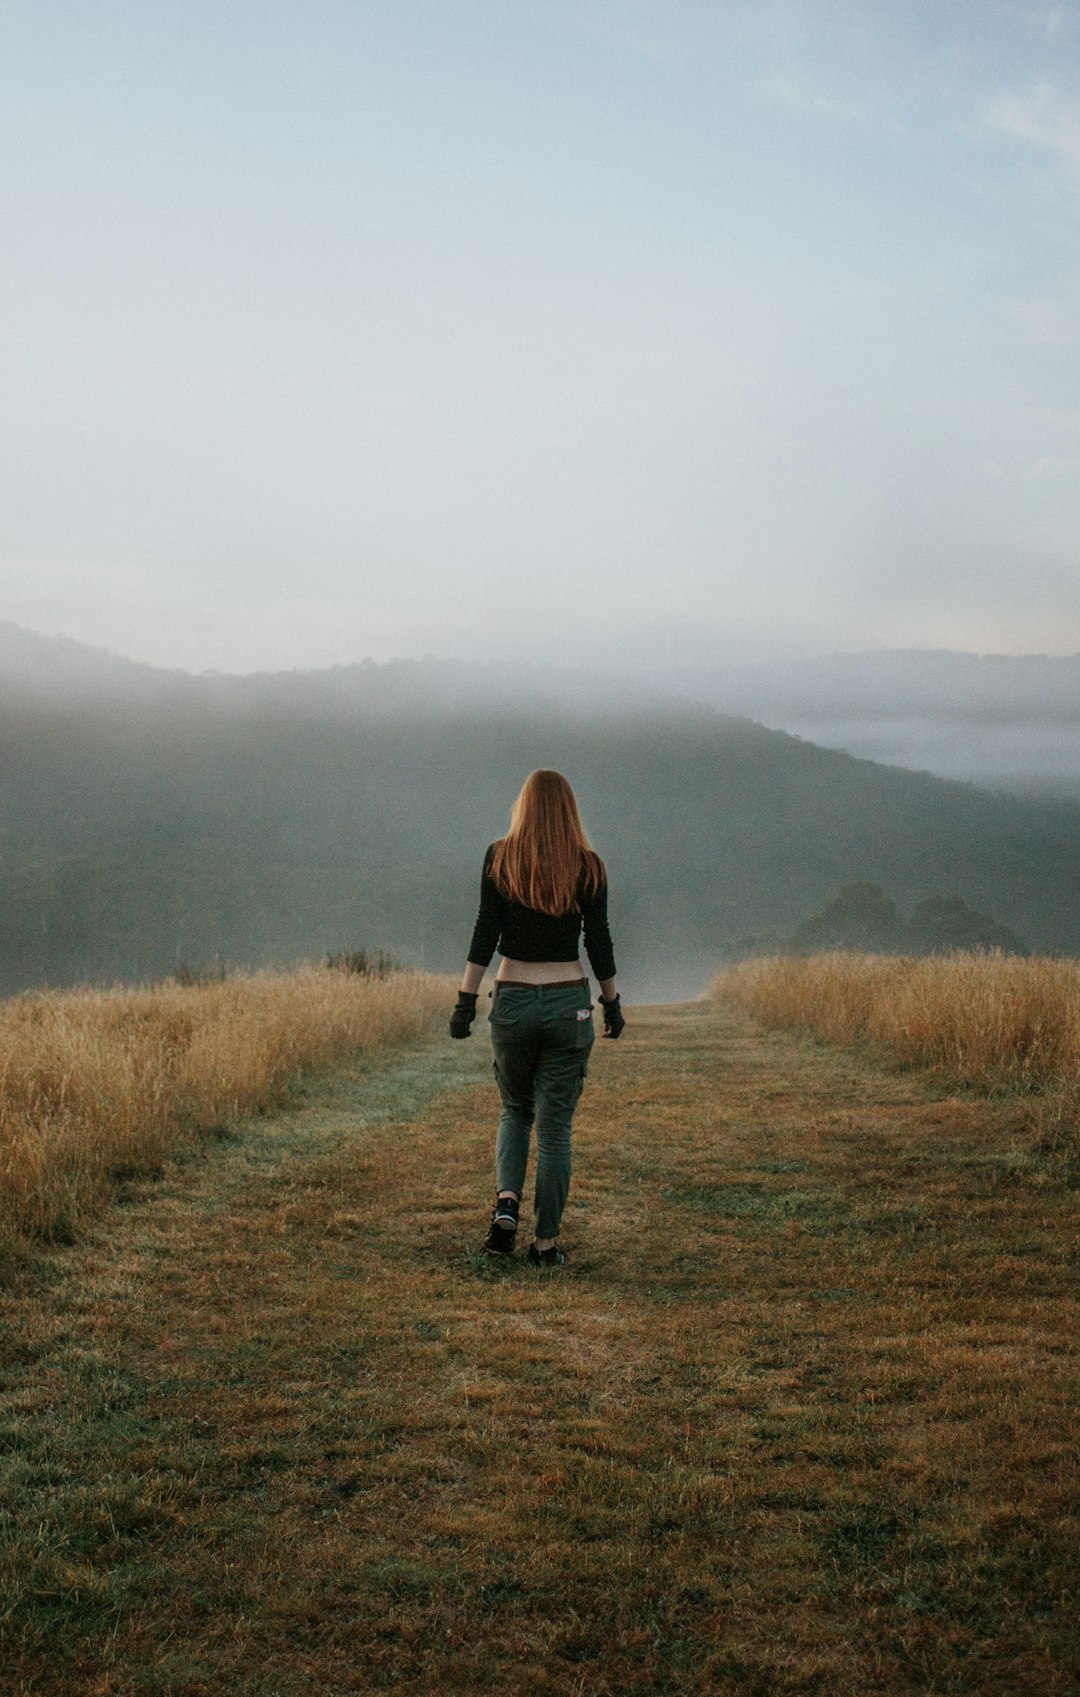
(896, 683)
(1008, 722)
(151, 818)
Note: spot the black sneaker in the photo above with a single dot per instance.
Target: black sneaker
(505, 1211)
(552, 1257)
(502, 1233)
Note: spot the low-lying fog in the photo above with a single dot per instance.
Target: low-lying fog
(1031, 758)
(1004, 721)
(156, 818)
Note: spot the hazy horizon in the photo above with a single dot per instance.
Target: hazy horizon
(592, 331)
(541, 663)
(1003, 722)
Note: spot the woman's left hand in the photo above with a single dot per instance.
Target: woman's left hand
(463, 1015)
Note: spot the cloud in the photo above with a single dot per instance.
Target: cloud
(1043, 117)
(1044, 22)
(796, 92)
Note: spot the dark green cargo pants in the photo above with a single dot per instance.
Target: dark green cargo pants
(541, 1037)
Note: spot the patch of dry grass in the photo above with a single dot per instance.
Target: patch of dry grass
(98, 1085)
(987, 1019)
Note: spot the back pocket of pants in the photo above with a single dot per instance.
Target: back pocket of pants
(583, 1032)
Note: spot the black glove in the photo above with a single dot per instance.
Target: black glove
(463, 1015)
(613, 1019)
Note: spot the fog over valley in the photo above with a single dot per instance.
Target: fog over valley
(1002, 721)
(1006, 721)
(155, 820)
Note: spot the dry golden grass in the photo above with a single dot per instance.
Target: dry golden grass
(991, 1020)
(96, 1085)
(796, 1419)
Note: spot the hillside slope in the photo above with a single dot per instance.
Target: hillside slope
(264, 820)
(1009, 721)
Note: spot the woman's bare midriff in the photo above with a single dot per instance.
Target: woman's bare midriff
(539, 971)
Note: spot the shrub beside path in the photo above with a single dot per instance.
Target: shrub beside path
(794, 1418)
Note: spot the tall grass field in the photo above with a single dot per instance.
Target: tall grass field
(983, 1019)
(796, 1418)
(99, 1084)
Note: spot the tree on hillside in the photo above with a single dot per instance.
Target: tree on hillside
(946, 922)
(859, 916)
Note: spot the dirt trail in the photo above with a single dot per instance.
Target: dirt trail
(794, 1417)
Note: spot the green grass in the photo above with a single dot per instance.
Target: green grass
(796, 1417)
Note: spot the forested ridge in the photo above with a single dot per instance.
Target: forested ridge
(157, 818)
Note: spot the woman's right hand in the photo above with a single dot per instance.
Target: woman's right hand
(463, 1015)
(613, 1016)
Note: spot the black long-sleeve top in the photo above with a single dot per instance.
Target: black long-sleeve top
(524, 933)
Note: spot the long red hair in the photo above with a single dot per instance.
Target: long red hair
(546, 861)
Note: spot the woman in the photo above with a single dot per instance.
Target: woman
(542, 884)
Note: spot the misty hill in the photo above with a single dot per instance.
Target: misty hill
(1006, 721)
(59, 672)
(269, 819)
(36, 665)
(1002, 721)
(875, 686)
(896, 684)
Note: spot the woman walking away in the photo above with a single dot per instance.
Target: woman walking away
(542, 884)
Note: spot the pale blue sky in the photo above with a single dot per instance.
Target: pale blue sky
(560, 328)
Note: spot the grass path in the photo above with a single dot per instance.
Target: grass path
(795, 1417)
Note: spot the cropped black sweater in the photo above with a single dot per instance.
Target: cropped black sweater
(523, 933)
